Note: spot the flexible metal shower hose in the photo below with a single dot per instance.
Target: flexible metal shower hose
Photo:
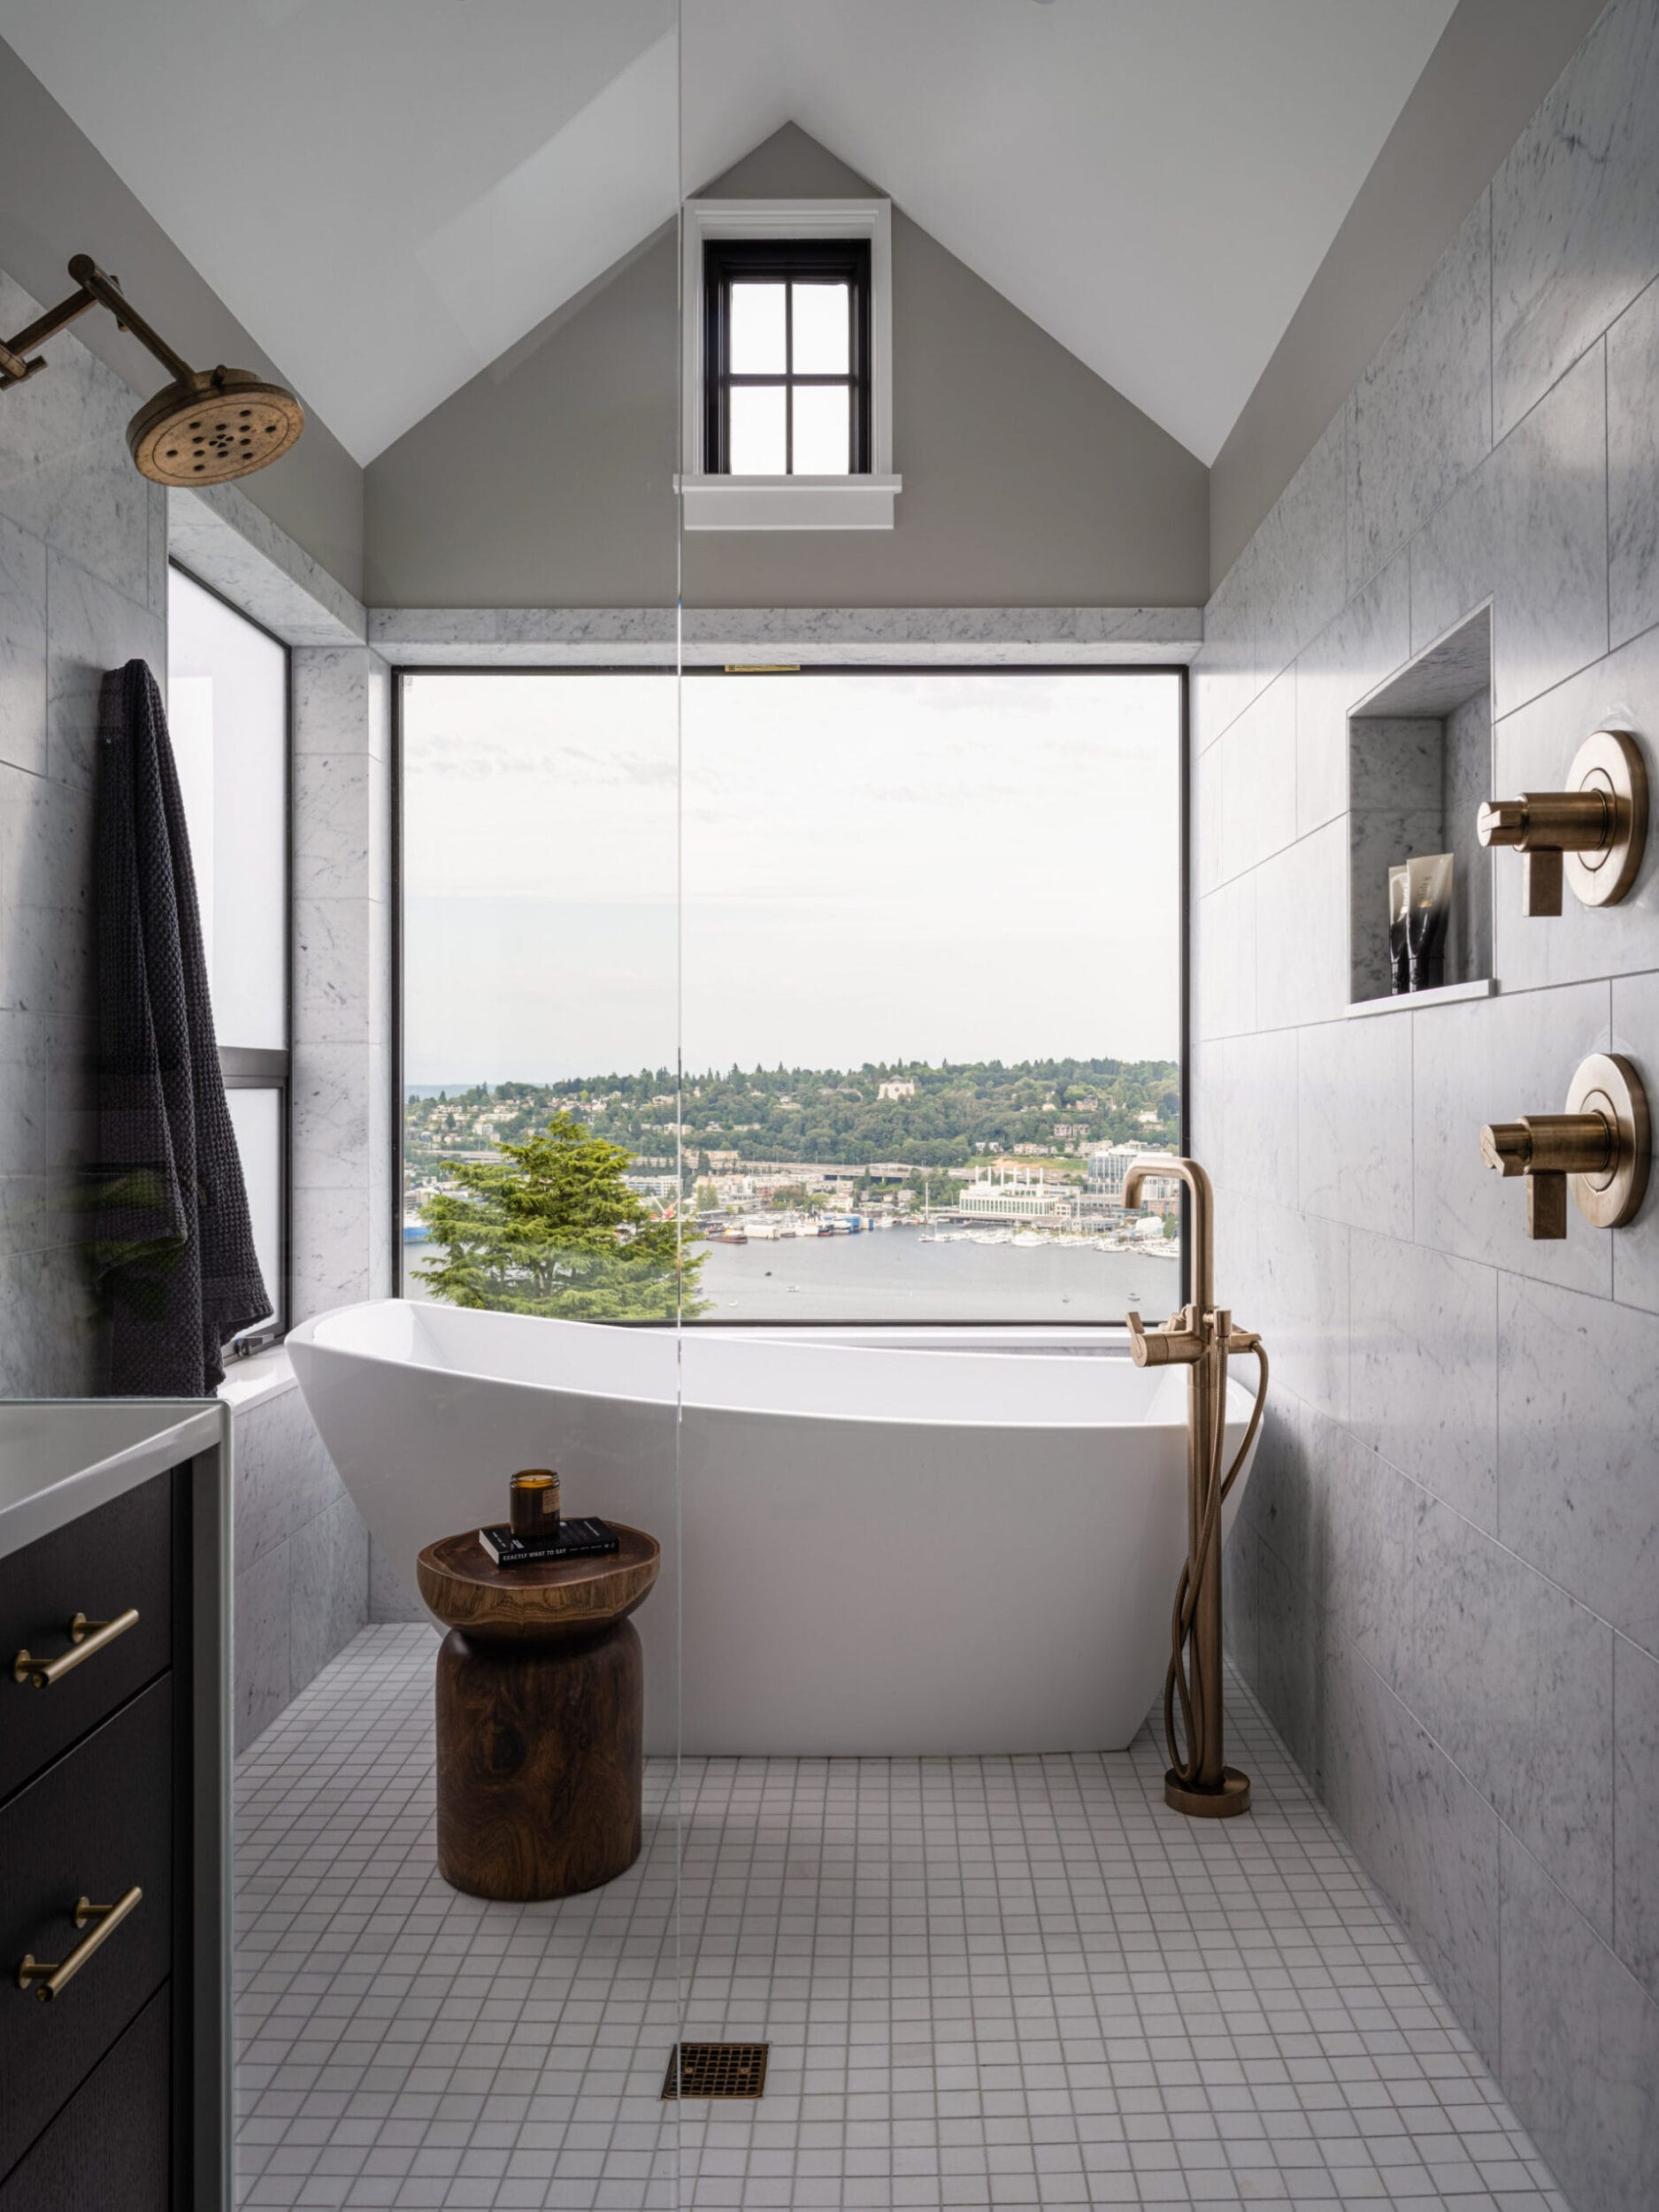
(1177, 1680)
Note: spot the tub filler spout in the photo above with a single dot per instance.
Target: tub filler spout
(1201, 1338)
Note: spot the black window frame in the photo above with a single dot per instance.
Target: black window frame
(786, 261)
(270, 1068)
(1115, 1331)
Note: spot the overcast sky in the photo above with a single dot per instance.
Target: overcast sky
(876, 867)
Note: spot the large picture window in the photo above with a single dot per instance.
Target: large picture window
(228, 711)
(868, 987)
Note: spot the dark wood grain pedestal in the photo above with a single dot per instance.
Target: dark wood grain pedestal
(541, 1717)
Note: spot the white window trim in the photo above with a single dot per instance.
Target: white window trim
(788, 503)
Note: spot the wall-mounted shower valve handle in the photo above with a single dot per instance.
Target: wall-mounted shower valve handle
(1559, 821)
(1547, 1149)
(1591, 835)
(1601, 1144)
(1542, 826)
(1549, 1144)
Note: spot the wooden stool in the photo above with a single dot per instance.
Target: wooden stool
(541, 1717)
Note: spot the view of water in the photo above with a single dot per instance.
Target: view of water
(891, 1275)
(894, 1276)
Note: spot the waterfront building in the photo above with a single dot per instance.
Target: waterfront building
(1109, 1164)
(1009, 1194)
(656, 1187)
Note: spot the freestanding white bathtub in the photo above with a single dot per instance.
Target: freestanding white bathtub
(865, 1549)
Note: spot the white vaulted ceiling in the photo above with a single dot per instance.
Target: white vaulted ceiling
(389, 193)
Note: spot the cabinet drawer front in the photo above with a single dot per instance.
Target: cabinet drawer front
(108, 2149)
(93, 1825)
(118, 1557)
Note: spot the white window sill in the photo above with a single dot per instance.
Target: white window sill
(250, 1382)
(788, 503)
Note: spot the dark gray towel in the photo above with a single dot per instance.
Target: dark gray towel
(172, 1243)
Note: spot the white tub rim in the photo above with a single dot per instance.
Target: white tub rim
(308, 1335)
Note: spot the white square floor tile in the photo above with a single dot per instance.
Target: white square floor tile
(986, 1983)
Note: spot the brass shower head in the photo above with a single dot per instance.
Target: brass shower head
(207, 427)
(213, 426)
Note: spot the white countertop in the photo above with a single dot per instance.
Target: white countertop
(59, 1460)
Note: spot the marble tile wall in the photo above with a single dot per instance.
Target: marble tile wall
(302, 1560)
(82, 588)
(1445, 1578)
(638, 637)
(302, 1578)
(84, 545)
(343, 1079)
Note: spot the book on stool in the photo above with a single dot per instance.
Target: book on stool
(577, 1539)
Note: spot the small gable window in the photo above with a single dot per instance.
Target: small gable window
(787, 379)
(787, 356)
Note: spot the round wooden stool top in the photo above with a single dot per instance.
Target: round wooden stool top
(564, 1597)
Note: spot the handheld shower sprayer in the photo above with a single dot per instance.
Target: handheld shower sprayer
(1199, 1337)
(207, 427)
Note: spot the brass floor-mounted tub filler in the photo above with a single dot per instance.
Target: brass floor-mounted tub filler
(1199, 1337)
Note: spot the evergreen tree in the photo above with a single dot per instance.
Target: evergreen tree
(553, 1229)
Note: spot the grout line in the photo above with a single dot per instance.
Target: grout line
(1607, 489)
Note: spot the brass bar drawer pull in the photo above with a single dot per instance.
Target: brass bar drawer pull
(103, 1919)
(85, 1638)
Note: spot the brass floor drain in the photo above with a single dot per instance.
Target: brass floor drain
(717, 2070)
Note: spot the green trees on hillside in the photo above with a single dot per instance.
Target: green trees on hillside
(960, 1111)
(552, 1228)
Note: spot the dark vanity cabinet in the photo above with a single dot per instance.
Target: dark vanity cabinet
(100, 1823)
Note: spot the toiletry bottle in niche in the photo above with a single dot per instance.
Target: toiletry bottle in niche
(1428, 917)
(533, 1503)
(1399, 952)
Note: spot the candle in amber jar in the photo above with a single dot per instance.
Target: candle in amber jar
(533, 1503)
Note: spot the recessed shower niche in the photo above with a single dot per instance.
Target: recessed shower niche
(1419, 763)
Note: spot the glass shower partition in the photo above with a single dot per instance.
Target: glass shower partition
(932, 1005)
(541, 1175)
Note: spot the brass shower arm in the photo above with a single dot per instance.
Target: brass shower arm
(206, 427)
(94, 289)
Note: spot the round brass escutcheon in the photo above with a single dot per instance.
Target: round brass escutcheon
(1610, 763)
(1233, 1797)
(1606, 1084)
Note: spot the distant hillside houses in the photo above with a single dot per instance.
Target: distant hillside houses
(931, 1119)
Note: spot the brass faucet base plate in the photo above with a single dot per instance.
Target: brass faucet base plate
(1607, 1084)
(1610, 763)
(1233, 1797)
